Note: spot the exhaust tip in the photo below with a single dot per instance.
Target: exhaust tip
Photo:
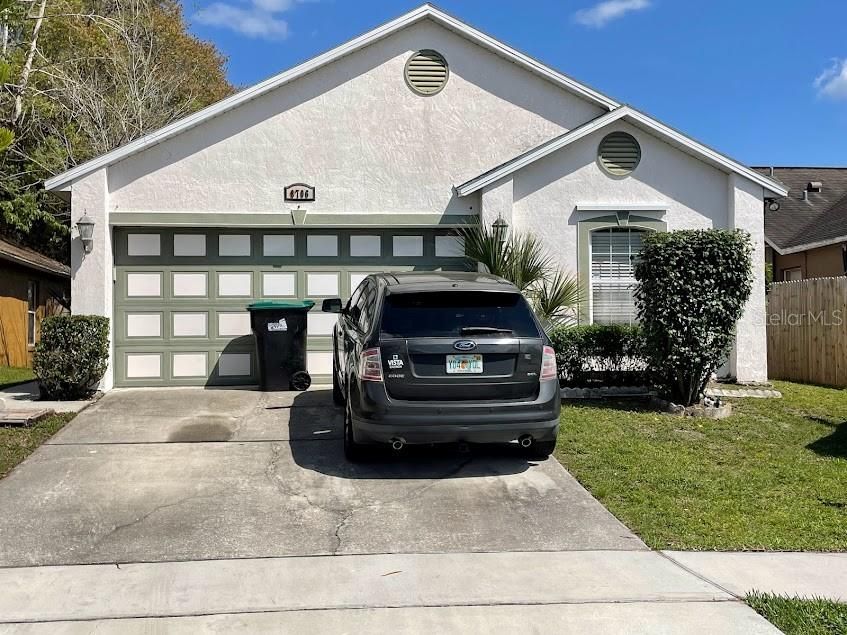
(525, 441)
(397, 444)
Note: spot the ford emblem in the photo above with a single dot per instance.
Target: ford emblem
(464, 345)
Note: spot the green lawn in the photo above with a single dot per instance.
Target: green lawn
(18, 442)
(11, 375)
(795, 616)
(773, 476)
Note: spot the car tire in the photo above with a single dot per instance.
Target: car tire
(541, 449)
(337, 393)
(353, 452)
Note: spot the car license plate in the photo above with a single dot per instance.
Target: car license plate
(464, 364)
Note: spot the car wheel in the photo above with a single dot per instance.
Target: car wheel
(353, 452)
(541, 449)
(337, 394)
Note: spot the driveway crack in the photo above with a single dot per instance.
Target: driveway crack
(156, 510)
(345, 515)
(348, 515)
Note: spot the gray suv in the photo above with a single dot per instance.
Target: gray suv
(422, 358)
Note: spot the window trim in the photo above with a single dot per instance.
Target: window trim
(32, 289)
(798, 269)
(585, 227)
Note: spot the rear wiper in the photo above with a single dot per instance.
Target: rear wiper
(468, 330)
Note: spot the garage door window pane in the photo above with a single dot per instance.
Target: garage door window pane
(233, 245)
(143, 245)
(277, 245)
(189, 244)
(322, 245)
(365, 246)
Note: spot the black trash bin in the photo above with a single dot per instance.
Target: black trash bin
(280, 330)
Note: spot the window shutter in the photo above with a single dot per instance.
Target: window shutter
(612, 275)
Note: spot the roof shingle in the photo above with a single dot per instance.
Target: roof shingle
(820, 217)
(30, 258)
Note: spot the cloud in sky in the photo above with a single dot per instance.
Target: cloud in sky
(832, 82)
(604, 12)
(253, 19)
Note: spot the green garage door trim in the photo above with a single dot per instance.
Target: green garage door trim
(286, 219)
(165, 344)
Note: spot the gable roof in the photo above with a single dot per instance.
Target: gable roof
(639, 119)
(426, 11)
(31, 259)
(801, 223)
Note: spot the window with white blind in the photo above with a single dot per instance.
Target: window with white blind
(612, 274)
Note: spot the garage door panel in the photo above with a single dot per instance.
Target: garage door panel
(182, 312)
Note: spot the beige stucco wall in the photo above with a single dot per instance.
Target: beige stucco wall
(359, 134)
(748, 360)
(548, 191)
(688, 192)
(91, 274)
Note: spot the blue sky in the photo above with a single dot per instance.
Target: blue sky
(764, 81)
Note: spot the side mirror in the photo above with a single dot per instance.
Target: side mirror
(331, 305)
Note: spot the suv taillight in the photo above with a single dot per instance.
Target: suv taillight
(548, 364)
(371, 365)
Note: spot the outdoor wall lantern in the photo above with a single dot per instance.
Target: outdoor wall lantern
(500, 228)
(85, 225)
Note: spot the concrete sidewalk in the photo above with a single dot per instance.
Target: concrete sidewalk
(25, 398)
(582, 591)
(821, 575)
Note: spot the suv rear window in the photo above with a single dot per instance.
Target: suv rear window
(446, 313)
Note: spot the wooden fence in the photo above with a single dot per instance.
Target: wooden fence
(807, 331)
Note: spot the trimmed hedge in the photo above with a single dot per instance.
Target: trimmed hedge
(600, 355)
(72, 355)
(692, 289)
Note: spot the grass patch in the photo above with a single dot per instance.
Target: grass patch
(11, 375)
(18, 442)
(796, 616)
(773, 476)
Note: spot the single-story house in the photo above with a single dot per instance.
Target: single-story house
(365, 159)
(32, 287)
(806, 230)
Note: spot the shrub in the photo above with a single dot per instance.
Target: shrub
(602, 354)
(72, 355)
(692, 288)
(521, 259)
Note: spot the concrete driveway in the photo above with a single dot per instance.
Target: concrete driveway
(191, 474)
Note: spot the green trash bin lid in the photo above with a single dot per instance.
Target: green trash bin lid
(275, 305)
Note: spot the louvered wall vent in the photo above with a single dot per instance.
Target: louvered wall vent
(619, 153)
(426, 72)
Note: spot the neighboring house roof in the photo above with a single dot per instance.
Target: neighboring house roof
(816, 220)
(638, 119)
(30, 258)
(426, 11)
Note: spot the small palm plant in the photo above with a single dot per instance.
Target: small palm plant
(554, 294)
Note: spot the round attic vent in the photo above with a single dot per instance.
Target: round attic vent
(619, 153)
(426, 72)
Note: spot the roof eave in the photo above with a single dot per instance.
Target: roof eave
(794, 249)
(23, 262)
(63, 181)
(704, 152)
